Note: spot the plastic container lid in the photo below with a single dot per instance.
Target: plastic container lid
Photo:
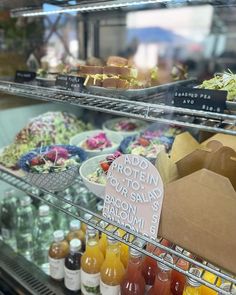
(196, 272)
(58, 235)
(75, 224)
(25, 201)
(167, 258)
(75, 245)
(44, 210)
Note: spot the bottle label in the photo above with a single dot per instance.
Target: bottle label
(5, 234)
(56, 268)
(108, 290)
(72, 279)
(90, 283)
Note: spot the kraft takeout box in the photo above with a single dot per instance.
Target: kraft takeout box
(199, 209)
(199, 214)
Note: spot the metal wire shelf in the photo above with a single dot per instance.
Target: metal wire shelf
(205, 121)
(130, 238)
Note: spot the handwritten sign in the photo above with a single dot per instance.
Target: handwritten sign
(199, 99)
(24, 76)
(71, 83)
(134, 194)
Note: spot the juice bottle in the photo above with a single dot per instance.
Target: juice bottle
(210, 278)
(72, 266)
(58, 251)
(124, 254)
(163, 278)
(112, 270)
(76, 233)
(87, 216)
(91, 263)
(149, 268)
(193, 287)
(178, 279)
(133, 282)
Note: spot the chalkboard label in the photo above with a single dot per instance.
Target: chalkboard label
(200, 99)
(24, 76)
(71, 83)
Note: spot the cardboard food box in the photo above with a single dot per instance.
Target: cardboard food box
(199, 208)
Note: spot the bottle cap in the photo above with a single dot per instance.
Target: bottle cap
(75, 224)
(58, 235)
(134, 252)
(9, 193)
(111, 240)
(25, 201)
(87, 216)
(196, 272)
(167, 258)
(99, 207)
(44, 210)
(75, 245)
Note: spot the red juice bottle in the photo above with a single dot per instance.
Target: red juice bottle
(178, 280)
(133, 282)
(149, 268)
(163, 278)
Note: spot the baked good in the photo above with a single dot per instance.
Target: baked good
(115, 83)
(117, 61)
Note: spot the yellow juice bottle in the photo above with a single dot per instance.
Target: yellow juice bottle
(91, 263)
(112, 270)
(193, 287)
(210, 278)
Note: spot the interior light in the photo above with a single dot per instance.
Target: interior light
(87, 8)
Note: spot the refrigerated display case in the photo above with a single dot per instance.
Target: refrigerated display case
(198, 35)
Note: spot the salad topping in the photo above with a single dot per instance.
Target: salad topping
(99, 176)
(55, 159)
(99, 141)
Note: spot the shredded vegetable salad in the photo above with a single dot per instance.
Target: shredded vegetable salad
(225, 81)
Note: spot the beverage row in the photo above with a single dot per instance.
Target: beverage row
(93, 273)
(106, 266)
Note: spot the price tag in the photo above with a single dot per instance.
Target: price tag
(71, 83)
(200, 99)
(24, 76)
(134, 194)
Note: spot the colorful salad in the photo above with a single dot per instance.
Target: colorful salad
(54, 159)
(99, 176)
(95, 142)
(126, 125)
(150, 143)
(46, 129)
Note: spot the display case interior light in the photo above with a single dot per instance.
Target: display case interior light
(93, 7)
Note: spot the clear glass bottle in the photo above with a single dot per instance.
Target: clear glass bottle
(42, 238)
(163, 278)
(149, 268)
(25, 225)
(58, 251)
(91, 263)
(72, 266)
(9, 218)
(193, 287)
(133, 282)
(112, 270)
(76, 233)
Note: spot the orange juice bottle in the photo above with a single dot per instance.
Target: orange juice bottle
(91, 263)
(210, 278)
(112, 270)
(192, 287)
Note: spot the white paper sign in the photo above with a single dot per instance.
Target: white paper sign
(134, 194)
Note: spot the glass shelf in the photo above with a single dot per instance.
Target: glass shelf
(131, 238)
(201, 120)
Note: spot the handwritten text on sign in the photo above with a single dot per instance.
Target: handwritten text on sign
(134, 194)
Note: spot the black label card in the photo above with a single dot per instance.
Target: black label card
(24, 76)
(199, 99)
(71, 83)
